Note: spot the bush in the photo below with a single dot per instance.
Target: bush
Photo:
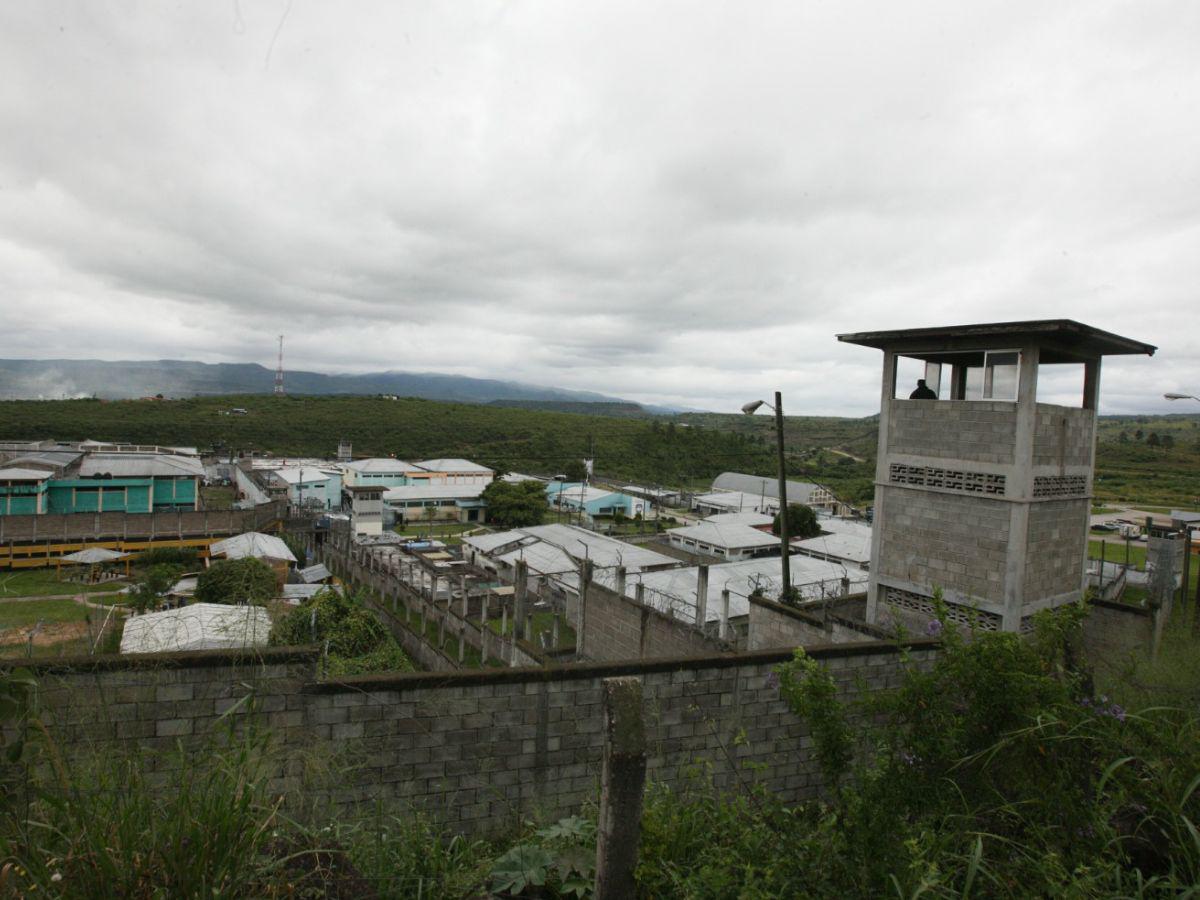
(358, 643)
(184, 557)
(246, 580)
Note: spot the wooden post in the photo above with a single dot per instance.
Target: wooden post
(622, 780)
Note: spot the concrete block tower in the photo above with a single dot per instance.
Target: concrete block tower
(980, 489)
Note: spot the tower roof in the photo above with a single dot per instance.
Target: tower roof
(1060, 340)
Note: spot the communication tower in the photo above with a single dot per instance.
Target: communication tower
(279, 371)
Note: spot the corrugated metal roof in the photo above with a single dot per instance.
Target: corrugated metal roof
(741, 518)
(200, 626)
(313, 574)
(252, 543)
(435, 491)
(763, 486)
(305, 474)
(453, 465)
(731, 535)
(138, 465)
(380, 465)
(847, 541)
(736, 501)
(14, 473)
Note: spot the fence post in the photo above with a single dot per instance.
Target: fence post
(521, 588)
(724, 632)
(701, 596)
(622, 779)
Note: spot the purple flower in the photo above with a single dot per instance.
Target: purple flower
(934, 628)
(772, 679)
(908, 758)
(1117, 712)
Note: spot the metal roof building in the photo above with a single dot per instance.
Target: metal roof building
(729, 540)
(201, 626)
(140, 465)
(252, 543)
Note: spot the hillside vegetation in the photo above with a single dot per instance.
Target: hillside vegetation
(688, 449)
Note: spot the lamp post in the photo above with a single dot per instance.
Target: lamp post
(784, 543)
(1180, 397)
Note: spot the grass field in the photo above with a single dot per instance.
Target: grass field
(23, 613)
(542, 621)
(43, 582)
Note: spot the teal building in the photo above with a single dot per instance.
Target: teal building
(105, 482)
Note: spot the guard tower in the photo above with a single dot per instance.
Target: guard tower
(984, 491)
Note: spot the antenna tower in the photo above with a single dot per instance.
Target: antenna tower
(279, 371)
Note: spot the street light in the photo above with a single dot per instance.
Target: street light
(1180, 397)
(784, 543)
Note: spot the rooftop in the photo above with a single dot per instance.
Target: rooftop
(453, 465)
(252, 543)
(380, 465)
(435, 491)
(140, 465)
(200, 626)
(14, 474)
(764, 486)
(732, 535)
(1061, 340)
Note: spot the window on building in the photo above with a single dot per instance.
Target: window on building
(978, 375)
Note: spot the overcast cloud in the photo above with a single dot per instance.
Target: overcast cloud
(671, 202)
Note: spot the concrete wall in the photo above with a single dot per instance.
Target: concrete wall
(957, 543)
(1113, 632)
(480, 751)
(618, 627)
(1056, 547)
(978, 431)
(1063, 436)
(773, 625)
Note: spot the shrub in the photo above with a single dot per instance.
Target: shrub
(246, 580)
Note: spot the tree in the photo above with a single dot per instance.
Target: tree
(1139, 434)
(802, 522)
(235, 581)
(152, 585)
(515, 505)
(575, 470)
(1168, 441)
(1123, 437)
(1153, 440)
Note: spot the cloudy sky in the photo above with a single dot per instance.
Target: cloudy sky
(671, 202)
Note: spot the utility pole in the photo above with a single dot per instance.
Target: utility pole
(784, 543)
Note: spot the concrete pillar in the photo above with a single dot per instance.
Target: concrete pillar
(622, 781)
(462, 586)
(701, 595)
(639, 592)
(621, 580)
(585, 583)
(554, 631)
(521, 586)
(503, 620)
(724, 632)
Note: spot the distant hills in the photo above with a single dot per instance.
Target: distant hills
(53, 379)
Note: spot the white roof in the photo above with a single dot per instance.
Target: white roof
(582, 494)
(562, 546)
(313, 574)
(139, 465)
(453, 465)
(200, 626)
(649, 491)
(732, 535)
(380, 465)
(486, 543)
(15, 474)
(736, 501)
(517, 478)
(741, 518)
(435, 491)
(252, 543)
(674, 590)
(93, 555)
(768, 485)
(851, 542)
(305, 474)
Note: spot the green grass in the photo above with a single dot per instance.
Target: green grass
(24, 613)
(217, 497)
(42, 582)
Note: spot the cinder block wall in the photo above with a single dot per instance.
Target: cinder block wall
(618, 627)
(478, 750)
(956, 542)
(978, 431)
(1056, 546)
(774, 625)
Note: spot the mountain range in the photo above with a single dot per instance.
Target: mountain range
(53, 379)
